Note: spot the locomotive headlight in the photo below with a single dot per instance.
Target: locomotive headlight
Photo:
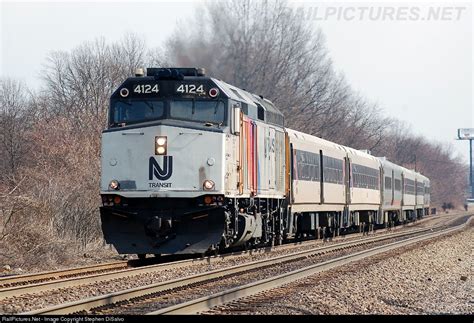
(160, 150)
(208, 185)
(161, 143)
(114, 184)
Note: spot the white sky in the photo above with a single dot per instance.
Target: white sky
(418, 71)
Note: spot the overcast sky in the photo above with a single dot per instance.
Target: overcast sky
(414, 59)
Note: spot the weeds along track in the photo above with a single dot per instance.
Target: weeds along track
(189, 293)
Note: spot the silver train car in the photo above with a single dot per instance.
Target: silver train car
(191, 164)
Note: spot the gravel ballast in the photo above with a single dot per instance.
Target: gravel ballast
(35, 301)
(27, 302)
(431, 278)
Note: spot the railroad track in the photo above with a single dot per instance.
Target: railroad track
(296, 265)
(27, 279)
(37, 283)
(230, 295)
(19, 280)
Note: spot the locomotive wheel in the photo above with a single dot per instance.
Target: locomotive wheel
(222, 246)
(214, 250)
(278, 240)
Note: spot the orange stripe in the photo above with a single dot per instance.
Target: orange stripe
(255, 159)
(249, 157)
(252, 157)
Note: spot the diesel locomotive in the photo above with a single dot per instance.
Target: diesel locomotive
(192, 164)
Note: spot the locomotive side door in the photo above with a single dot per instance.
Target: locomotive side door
(249, 157)
(239, 124)
(271, 159)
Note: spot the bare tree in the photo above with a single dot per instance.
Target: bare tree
(266, 48)
(78, 84)
(15, 119)
(259, 46)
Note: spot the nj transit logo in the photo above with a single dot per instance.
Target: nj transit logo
(162, 174)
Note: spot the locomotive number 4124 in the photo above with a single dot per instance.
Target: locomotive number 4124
(190, 89)
(146, 88)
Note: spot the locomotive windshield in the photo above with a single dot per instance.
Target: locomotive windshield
(204, 111)
(131, 111)
(137, 111)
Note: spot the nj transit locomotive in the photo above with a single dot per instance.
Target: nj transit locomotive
(192, 164)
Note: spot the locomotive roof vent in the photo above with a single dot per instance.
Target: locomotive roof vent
(139, 72)
(175, 72)
(201, 71)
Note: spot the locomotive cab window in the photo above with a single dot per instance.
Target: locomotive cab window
(134, 111)
(261, 112)
(194, 110)
(245, 108)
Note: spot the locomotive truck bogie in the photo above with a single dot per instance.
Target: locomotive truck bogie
(194, 227)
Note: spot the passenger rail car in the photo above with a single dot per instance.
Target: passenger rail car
(392, 197)
(192, 164)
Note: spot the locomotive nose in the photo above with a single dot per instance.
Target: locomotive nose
(163, 161)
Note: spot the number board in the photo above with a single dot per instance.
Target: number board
(166, 89)
(190, 89)
(144, 88)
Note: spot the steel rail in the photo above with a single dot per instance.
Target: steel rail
(37, 287)
(107, 299)
(99, 277)
(55, 274)
(207, 302)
